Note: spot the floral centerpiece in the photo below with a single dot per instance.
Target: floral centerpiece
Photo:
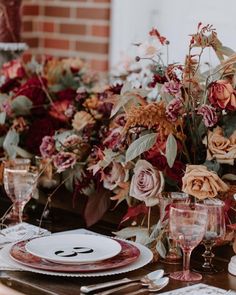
(184, 140)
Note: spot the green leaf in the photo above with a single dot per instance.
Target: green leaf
(21, 105)
(212, 165)
(23, 153)
(60, 138)
(141, 145)
(171, 150)
(127, 87)
(2, 118)
(229, 122)
(10, 142)
(141, 234)
(161, 249)
(118, 105)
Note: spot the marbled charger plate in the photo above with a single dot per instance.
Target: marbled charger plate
(128, 254)
(144, 258)
(199, 289)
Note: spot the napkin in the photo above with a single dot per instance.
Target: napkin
(12, 234)
(6, 263)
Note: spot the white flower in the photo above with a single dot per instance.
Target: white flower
(149, 49)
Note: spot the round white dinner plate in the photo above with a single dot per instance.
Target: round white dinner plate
(73, 248)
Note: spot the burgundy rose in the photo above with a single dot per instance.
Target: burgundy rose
(33, 89)
(47, 147)
(66, 94)
(36, 132)
(10, 85)
(157, 79)
(176, 173)
(209, 115)
(64, 160)
(159, 161)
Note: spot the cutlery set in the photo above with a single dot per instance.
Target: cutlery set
(153, 282)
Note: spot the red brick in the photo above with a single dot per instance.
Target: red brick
(30, 9)
(73, 29)
(92, 47)
(99, 65)
(56, 11)
(93, 13)
(100, 31)
(32, 42)
(56, 43)
(47, 27)
(27, 26)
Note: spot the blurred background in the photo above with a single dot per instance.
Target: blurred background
(103, 31)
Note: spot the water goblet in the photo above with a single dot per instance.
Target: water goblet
(19, 185)
(187, 227)
(173, 255)
(215, 231)
(19, 164)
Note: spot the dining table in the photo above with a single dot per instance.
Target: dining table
(31, 283)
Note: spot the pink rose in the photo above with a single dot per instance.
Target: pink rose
(115, 175)
(47, 147)
(222, 95)
(209, 115)
(146, 183)
(64, 160)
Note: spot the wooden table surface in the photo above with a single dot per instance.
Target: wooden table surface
(71, 286)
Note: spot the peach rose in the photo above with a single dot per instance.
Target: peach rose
(219, 147)
(202, 183)
(147, 182)
(222, 95)
(81, 120)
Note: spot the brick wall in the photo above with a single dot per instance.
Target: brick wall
(68, 28)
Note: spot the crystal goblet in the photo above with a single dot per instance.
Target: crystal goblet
(187, 228)
(215, 231)
(19, 185)
(19, 164)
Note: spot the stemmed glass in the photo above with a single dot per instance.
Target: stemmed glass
(19, 185)
(187, 227)
(215, 230)
(19, 164)
(173, 255)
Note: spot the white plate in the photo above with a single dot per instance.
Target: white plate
(144, 258)
(74, 248)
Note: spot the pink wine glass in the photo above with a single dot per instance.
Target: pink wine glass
(187, 227)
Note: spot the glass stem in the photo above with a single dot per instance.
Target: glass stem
(186, 258)
(208, 255)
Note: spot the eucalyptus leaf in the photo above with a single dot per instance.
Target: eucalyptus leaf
(23, 153)
(212, 165)
(2, 118)
(171, 150)
(127, 87)
(141, 234)
(70, 175)
(140, 145)
(229, 126)
(11, 140)
(21, 105)
(60, 137)
(229, 176)
(118, 105)
(161, 249)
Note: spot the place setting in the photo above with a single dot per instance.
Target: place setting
(77, 255)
